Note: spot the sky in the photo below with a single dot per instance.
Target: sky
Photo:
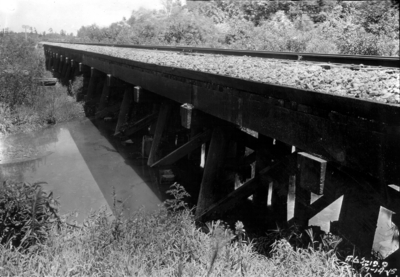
(68, 15)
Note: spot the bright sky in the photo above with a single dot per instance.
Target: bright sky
(68, 15)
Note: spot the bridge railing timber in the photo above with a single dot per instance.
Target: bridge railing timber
(335, 136)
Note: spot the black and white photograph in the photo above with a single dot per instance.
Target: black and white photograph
(199, 138)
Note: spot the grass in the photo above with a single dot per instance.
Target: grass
(161, 243)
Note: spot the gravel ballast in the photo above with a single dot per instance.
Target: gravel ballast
(372, 83)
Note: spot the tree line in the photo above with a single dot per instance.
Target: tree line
(318, 26)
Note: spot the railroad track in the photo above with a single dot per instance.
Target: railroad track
(311, 57)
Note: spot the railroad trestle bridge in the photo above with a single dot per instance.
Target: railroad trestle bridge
(270, 137)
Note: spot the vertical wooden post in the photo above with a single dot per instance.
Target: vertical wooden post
(105, 93)
(263, 159)
(312, 171)
(302, 201)
(152, 128)
(210, 191)
(142, 96)
(86, 79)
(56, 62)
(51, 61)
(94, 78)
(124, 112)
(358, 218)
(60, 65)
(163, 115)
(64, 67)
(146, 146)
(48, 60)
(69, 72)
(187, 113)
(310, 177)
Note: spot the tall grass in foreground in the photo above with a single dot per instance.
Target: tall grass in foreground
(160, 243)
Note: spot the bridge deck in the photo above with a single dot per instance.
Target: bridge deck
(360, 134)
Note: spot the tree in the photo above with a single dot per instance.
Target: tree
(170, 6)
(25, 27)
(373, 13)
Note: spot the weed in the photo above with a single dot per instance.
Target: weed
(177, 202)
(27, 214)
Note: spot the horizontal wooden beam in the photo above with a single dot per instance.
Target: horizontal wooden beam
(46, 81)
(185, 149)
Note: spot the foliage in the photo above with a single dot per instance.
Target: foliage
(160, 243)
(27, 213)
(307, 262)
(188, 28)
(23, 104)
(318, 26)
(20, 64)
(179, 194)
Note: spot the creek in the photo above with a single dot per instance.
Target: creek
(84, 166)
(87, 168)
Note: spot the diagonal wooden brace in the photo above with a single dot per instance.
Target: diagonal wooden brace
(236, 196)
(137, 126)
(126, 104)
(185, 149)
(106, 111)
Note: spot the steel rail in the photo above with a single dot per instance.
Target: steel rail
(311, 57)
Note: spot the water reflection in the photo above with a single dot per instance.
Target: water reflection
(82, 167)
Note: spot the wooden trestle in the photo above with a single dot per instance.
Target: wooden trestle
(343, 146)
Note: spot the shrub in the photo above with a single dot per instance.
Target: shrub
(187, 28)
(27, 214)
(24, 105)
(20, 64)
